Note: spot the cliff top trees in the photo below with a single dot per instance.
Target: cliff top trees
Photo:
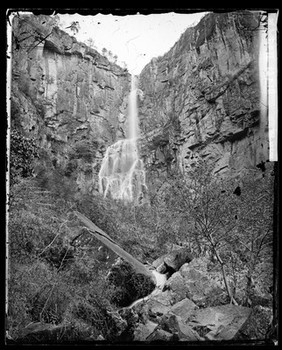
(74, 27)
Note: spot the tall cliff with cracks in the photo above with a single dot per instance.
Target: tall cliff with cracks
(202, 98)
(67, 96)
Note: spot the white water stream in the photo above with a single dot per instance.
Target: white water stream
(160, 282)
(122, 174)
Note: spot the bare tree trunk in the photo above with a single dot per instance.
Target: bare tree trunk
(232, 300)
(111, 244)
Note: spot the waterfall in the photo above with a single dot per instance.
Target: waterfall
(122, 174)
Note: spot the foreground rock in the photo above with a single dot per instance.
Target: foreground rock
(219, 322)
(200, 286)
(181, 311)
(176, 325)
(194, 282)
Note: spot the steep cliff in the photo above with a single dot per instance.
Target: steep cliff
(66, 95)
(202, 98)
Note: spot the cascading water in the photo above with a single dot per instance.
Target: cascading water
(122, 174)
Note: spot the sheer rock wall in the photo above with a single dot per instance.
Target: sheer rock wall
(67, 95)
(202, 98)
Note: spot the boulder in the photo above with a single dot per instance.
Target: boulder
(220, 322)
(155, 308)
(143, 331)
(175, 325)
(184, 308)
(172, 261)
(166, 298)
(200, 287)
(160, 335)
(176, 284)
(159, 304)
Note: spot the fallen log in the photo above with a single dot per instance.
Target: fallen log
(111, 244)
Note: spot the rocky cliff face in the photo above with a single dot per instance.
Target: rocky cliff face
(202, 98)
(67, 95)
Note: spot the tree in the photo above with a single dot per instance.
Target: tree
(234, 223)
(123, 65)
(110, 55)
(115, 58)
(253, 235)
(91, 43)
(74, 27)
(209, 210)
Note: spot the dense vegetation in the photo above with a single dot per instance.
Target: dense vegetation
(58, 275)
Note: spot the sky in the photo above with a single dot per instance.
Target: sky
(135, 39)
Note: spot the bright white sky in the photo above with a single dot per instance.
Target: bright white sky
(135, 39)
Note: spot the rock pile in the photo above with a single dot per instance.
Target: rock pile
(190, 307)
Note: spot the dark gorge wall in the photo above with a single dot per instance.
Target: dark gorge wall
(67, 96)
(202, 98)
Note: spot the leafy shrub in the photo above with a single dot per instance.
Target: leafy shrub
(129, 285)
(49, 277)
(23, 152)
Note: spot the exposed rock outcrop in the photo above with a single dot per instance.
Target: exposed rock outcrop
(71, 98)
(202, 98)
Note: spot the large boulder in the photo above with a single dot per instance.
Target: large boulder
(160, 335)
(175, 325)
(154, 306)
(176, 284)
(200, 287)
(143, 331)
(184, 308)
(220, 322)
(171, 262)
